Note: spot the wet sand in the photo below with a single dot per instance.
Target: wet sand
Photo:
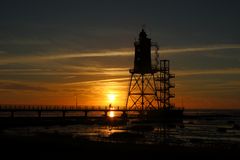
(63, 145)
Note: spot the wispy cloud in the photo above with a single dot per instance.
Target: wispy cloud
(66, 71)
(2, 52)
(107, 53)
(21, 86)
(49, 57)
(24, 42)
(123, 79)
(226, 71)
(200, 49)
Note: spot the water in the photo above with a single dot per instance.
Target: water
(199, 128)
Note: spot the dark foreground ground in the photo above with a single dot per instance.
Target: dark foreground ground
(60, 146)
(54, 145)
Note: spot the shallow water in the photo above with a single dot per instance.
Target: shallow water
(200, 127)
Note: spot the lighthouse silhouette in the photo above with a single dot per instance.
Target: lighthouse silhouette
(149, 87)
(142, 61)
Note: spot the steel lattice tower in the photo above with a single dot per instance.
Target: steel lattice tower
(164, 84)
(150, 85)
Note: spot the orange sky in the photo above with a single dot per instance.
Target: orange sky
(195, 88)
(50, 52)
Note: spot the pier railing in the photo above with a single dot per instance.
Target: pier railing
(39, 109)
(58, 108)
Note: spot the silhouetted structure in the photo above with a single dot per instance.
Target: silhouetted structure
(164, 84)
(149, 89)
(150, 82)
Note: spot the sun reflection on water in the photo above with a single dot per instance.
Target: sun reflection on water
(111, 114)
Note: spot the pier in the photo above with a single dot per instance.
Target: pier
(39, 109)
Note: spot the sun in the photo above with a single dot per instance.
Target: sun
(111, 97)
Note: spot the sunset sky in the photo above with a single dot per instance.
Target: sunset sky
(53, 50)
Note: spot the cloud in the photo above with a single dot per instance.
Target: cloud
(226, 71)
(106, 53)
(3, 52)
(200, 49)
(49, 57)
(24, 42)
(20, 86)
(66, 71)
(123, 79)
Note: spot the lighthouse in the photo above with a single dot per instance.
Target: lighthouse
(150, 83)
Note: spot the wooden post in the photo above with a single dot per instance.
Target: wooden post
(105, 113)
(39, 114)
(124, 115)
(12, 114)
